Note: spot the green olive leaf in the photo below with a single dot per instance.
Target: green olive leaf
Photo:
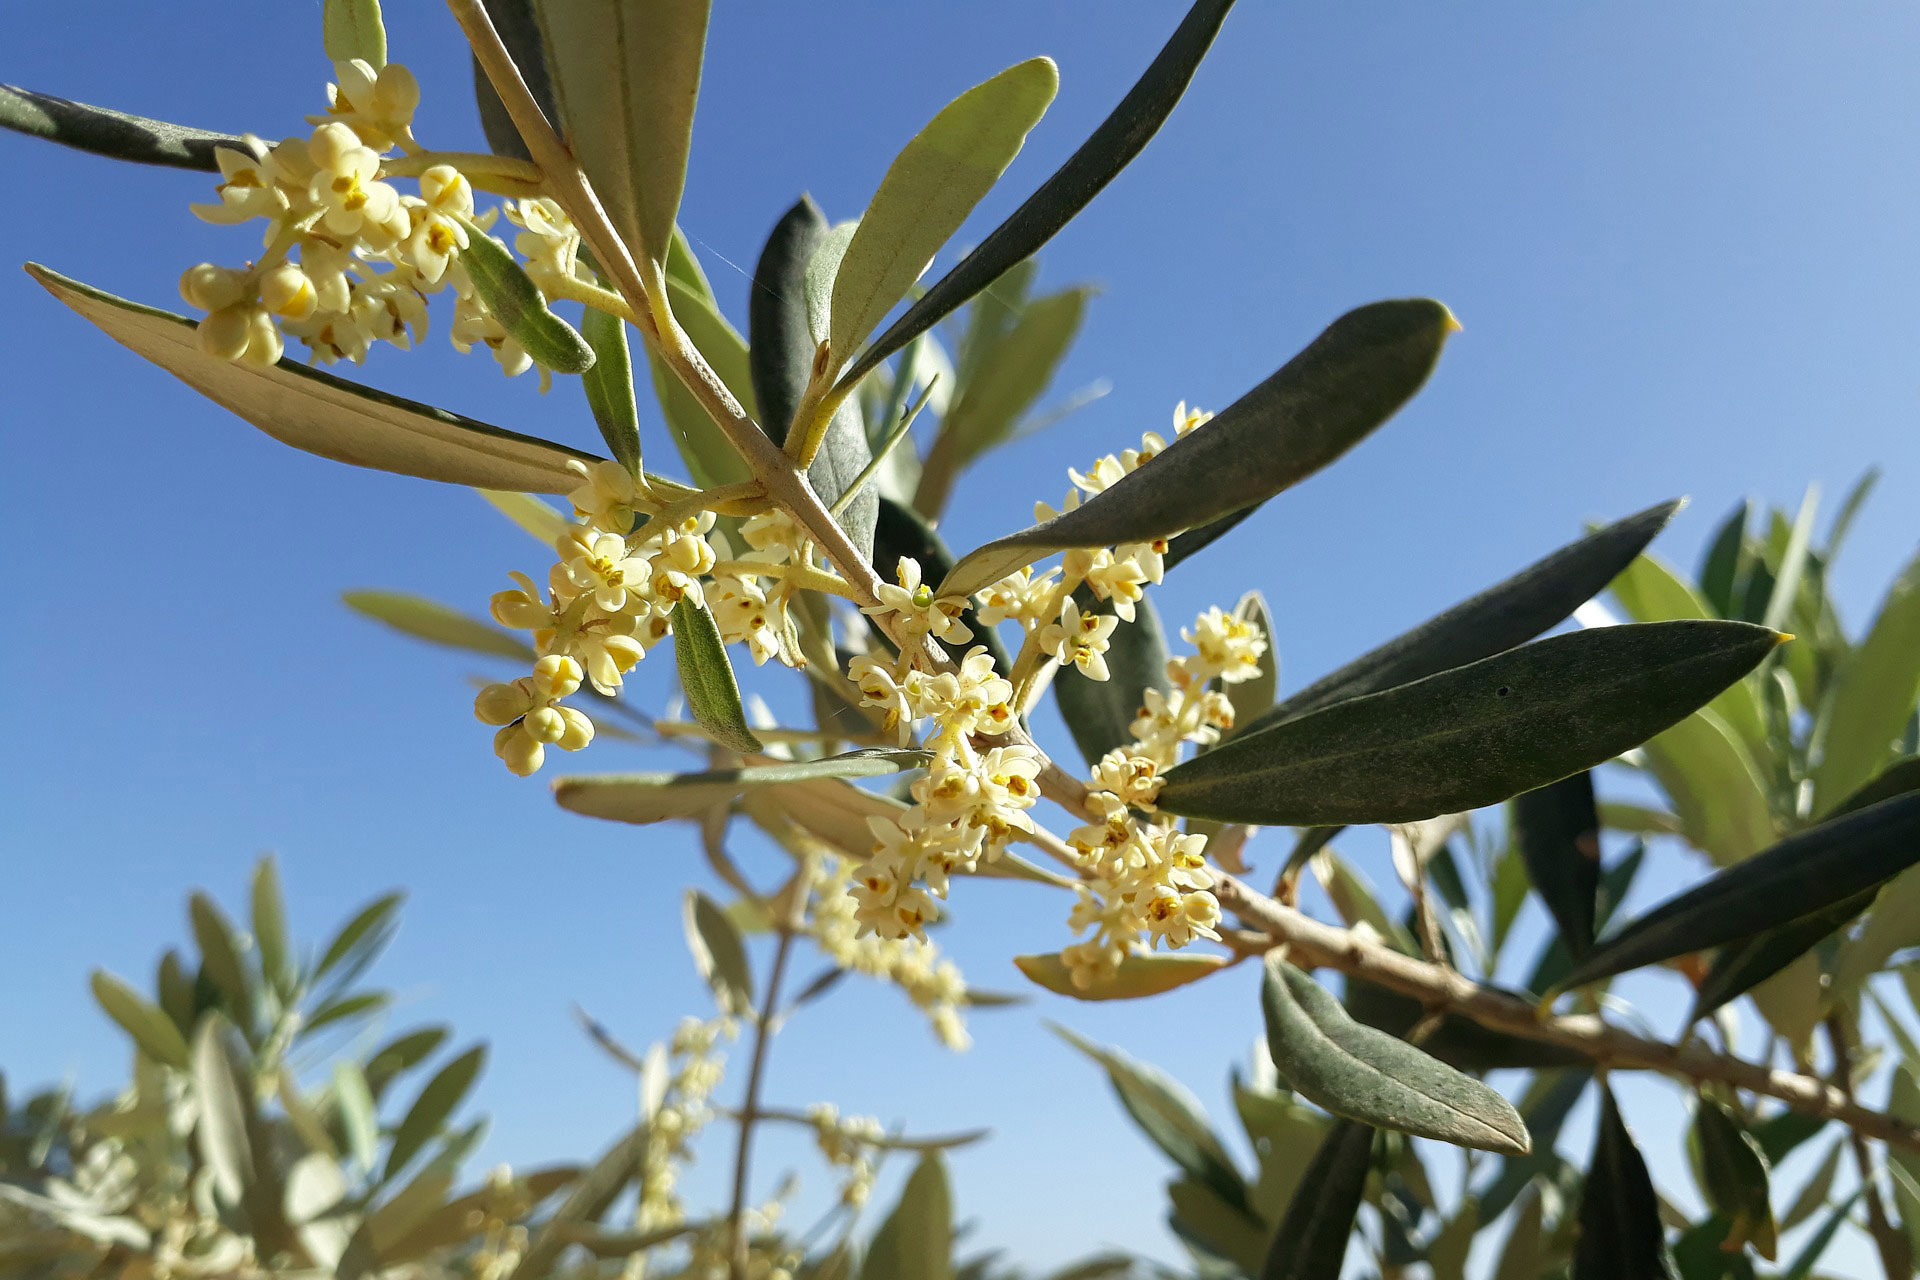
(1311, 1241)
(707, 677)
(352, 29)
(113, 134)
(1874, 694)
(1120, 138)
(517, 303)
(436, 1102)
(435, 623)
(719, 953)
(321, 414)
(1735, 1176)
(1803, 874)
(626, 76)
(660, 797)
(1321, 403)
(928, 191)
(152, 1030)
(1364, 1074)
(609, 386)
(220, 1093)
(1557, 828)
(915, 1242)
(1507, 614)
(1471, 736)
(1139, 975)
(1620, 1235)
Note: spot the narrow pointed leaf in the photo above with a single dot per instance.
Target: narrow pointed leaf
(1556, 961)
(369, 931)
(719, 954)
(1745, 963)
(517, 303)
(587, 1201)
(1714, 786)
(1849, 509)
(1793, 562)
(1138, 975)
(220, 956)
(1736, 1179)
(519, 30)
(915, 1242)
(321, 414)
(780, 341)
(609, 386)
(270, 926)
(1650, 591)
(1874, 693)
(1321, 403)
(1472, 736)
(221, 1100)
(352, 29)
(1100, 713)
(1557, 829)
(435, 1105)
(156, 1034)
(659, 797)
(1311, 1243)
(113, 134)
(401, 1054)
(1099, 159)
(435, 623)
(1818, 1189)
(991, 405)
(1364, 1074)
(928, 192)
(1169, 1115)
(357, 1115)
(1803, 1262)
(707, 677)
(1805, 873)
(1620, 1233)
(1722, 575)
(1510, 613)
(626, 76)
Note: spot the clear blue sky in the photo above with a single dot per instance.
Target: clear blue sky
(1681, 238)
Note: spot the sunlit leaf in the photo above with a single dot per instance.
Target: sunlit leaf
(221, 1094)
(156, 1034)
(1138, 975)
(1311, 1242)
(114, 134)
(1874, 693)
(435, 623)
(325, 415)
(1472, 736)
(352, 29)
(659, 797)
(719, 953)
(430, 1111)
(706, 676)
(915, 1242)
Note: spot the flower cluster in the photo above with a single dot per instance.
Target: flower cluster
(848, 1143)
(935, 985)
(973, 798)
(1146, 881)
(349, 260)
(610, 597)
(678, 1119)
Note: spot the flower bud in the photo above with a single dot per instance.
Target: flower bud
(210, 288)
(503, 703)
(545, 724)
(556, 676)
(287, 293)
(579, 729)
(520, 753)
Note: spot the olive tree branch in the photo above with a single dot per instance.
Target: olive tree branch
(1437, 987)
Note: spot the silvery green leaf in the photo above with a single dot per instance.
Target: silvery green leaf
(719, 954)
(430, 1111)
(659, 797)
(706, 676)
(516, 302)
(152, 1030)
(220, 1092)
(114, 134)
(915, 1242)
(435, 623)
(352, 29)
(325, 415)
(1321, 403)
(929, 190)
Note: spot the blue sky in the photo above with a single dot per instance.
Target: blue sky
(1680, 237)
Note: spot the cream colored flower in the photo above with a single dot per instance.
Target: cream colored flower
(920, 612)
(1080, 639)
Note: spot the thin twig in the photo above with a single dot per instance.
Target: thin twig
(1888, 1240)
(1435, 986)
(750, 1105)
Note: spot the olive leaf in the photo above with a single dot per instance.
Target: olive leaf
(1169, 1115)
(352, 29)
(915, 1242)
(428, 1115)
(806, 255)
(1087, 171)
(1364, 1074)
(626, 77)
(609, 385)
(707, 677)
(928, 191)
(435, 623)
(1311, 1242)
(1100, 713)
(1875, 691)
(1456, 1040)
(1138, 975)
(1557, 828)
(1471, 736)
(1803, 874)
(1620, 1234)
(659, 797)
(519, 31)
(113, 134)
(1321, 403)
(325, 415)
(780, 329)
(152, 1030)
(359, 1120)
(220, 957)
(220, 1094)
(1735, 1176)
(719, 953)
(269, 911)
(360, 939)
(1504, 615)
(1714, 786)
(711, 459)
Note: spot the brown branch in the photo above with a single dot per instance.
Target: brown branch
(1895, 1252)
(1325, 946)
(750, 1105)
